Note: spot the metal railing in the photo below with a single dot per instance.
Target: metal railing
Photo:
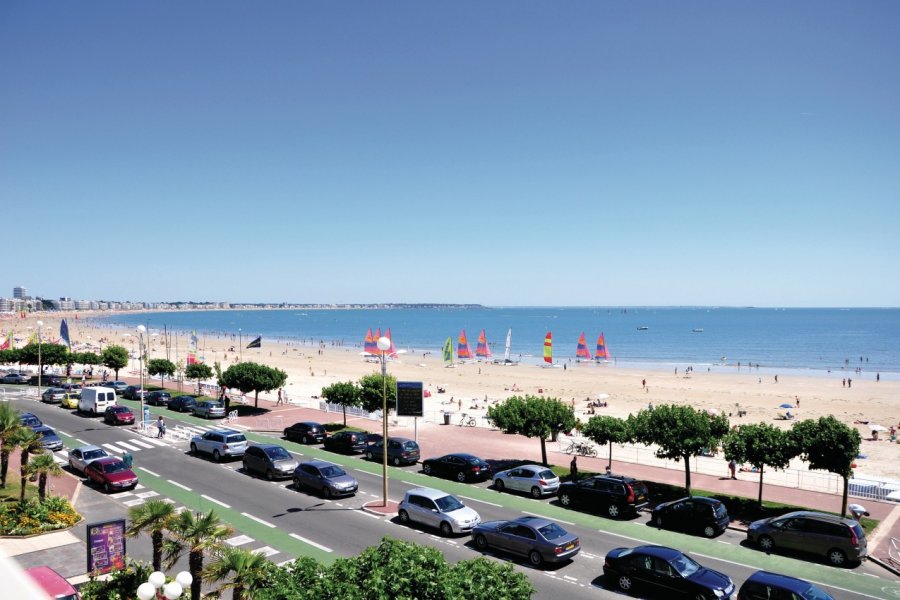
(894, 553)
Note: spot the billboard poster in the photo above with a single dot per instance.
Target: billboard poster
(409, 398)
(105, 546)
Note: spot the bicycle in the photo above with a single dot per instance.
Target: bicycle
(581, 448)
(467, 421)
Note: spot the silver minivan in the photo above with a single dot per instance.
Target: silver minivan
(437, 509)
(836, 538)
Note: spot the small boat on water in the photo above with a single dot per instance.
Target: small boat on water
(643, 328)
(697, 330)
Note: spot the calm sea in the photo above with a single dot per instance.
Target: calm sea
(779, 340)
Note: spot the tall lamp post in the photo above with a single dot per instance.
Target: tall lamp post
(384, 344)
(141, 330)
(156, 586)
(240, 344)
(40, 325)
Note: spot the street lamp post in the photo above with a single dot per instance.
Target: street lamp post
(240, 344)
(141, 330)
(384, 344)
(156, 586)
(40, 325)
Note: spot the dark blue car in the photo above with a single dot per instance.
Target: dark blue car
(764, 585)
(665, 572)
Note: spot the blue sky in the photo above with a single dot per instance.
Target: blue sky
(502, 153)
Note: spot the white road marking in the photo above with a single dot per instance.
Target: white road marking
(239, 540)
(128, 446)
(310, 542)
(113, 448)
(63, 432)
(81, 441)
(175, 483)
(548, 518)
(482, 501)
(148, 471)
(265, 551)
(219, 502)
(141, 443)
(258, 520)
(155, 442)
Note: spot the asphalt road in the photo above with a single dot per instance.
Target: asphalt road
(287, 523)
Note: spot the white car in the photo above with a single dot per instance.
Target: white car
(81, 456)
(437, 509)
(533, 479)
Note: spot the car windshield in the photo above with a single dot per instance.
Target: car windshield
(449, 503)
(234, 439)
(120, 409)
(92, 454)
(332, 471)
(48, 433)
(115, 467)
(474, 460)
(548, 474)
(685, 565)
(277, 453)
(814, 593)
(551, 531)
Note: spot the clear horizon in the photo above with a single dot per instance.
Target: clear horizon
(508, 154)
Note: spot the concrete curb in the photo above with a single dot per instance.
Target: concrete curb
(884, 565)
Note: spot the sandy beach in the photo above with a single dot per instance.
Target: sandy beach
(472, 386)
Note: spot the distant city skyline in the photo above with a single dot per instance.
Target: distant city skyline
(591, 154)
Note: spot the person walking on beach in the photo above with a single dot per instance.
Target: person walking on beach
(160, 427)
(573, 468)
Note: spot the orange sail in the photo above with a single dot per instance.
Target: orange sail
(482, 350)
(548, 348)
(370, 346)
(602, 352)
(582, 350)
(462, 346)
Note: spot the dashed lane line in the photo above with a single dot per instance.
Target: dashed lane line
(258, 520)
(219, 502)
(148, 471)
(175, 483)
(482, 501)
(310, 542)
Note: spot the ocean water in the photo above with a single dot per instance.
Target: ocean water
(816, 340)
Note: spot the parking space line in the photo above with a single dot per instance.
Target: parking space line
(219, 502)
(258, 520)
(175, 483)
(482, 501)
(310, 542)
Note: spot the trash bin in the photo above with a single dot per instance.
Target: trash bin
(446, 418)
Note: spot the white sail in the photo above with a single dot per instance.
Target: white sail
(508, 338)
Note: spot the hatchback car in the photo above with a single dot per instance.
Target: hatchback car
(80, 457)
(347, 441)
(15, 378)
(220, 443)
(209, 409)
(764, 585)
(133, 392)
(182, 403)
(111, 474)
(400, 451)
(613, 494)
(305, 432)
(69, 401)
(49, 439)
(158, 398)
(459, 466)
(536, 538)
(52, 583)
(664, 571)
(118, 415)
(694, 514)
(53, 395)
(118, 386)
(437, 509)
(326, 478)
(836, 538)
(30, 420)
(533, 479)
(270, 460)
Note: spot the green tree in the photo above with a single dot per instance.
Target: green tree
(115, 358)
(253, 377)
(602, 430)
(196, 534)
(161, 367)
(9, 428)
(345, 393)
(43, 466)
(198, 371)
(681, 432)
(242, 570)
(533, 416)
(298, 580)
(153, 517)
(371, 389)
(44, 354)
(10, 356)
(29, 442)
(760, 445)
(483, 579)
(120, 585)
(828, 445)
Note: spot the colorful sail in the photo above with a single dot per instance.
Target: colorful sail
(601, 353)
(582, 350)
(548, 348)
(8, 344)
(392, 352)
(448, 350)
(482, 350)
(371, 346)
(462, 346)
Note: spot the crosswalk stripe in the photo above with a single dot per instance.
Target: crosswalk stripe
(141, 443)
(155, 442)
(113, 448)
(63, 454)
(128, 446)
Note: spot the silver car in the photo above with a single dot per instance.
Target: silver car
(219, 443)
(533, 479)
(53, 395)
(326, 478)
(209, 408)
(81, 456)
(437, 509)
(270, 460)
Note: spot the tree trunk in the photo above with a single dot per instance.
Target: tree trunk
(344, 407)
(4, 467)
(23, 475)
(156, 539)
(760, 484)
(844, 498)
(195, 566)
(609, 467)
(687, 473)
(117, 374)
(255, 398)
(543, 451)
(42, 487)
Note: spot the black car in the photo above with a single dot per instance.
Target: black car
(133, 392)
(182, 403)
(460, 466)
(159, 398)
(615, 495)
(664, 571)
(46, 380)
(305, 432)
(347, 441)
(694, 514)
(764, 585)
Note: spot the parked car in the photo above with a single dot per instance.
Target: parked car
(305, 432)
(613, 494)
(270, 460)
(73, 389)
(133, 392)
(664, 571)
(836, 538)
(17, 378)
(70, 401)
(30, 420)
(537, 480)
(209, 409)
(81, 456)
(118, 415)
(437, 509)
(119, 386)
(49, 439)
(326, 478)
(46, 379)
(53, 395)
(460, 466)
(347, 441)
(52, 583)
(694, 514)
(536, 538)
(399, 451)
(764, 585)
(110, 473)
(182, 403)
(220, 443)
(158, 398)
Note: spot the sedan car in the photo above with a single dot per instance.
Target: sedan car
(30, 420)
(209, 409)
(533, 479)
(764, 585)
(305, 432)
(347, 441)
(118, 386)
(158, 398)
(326, 478)
(118, 415)
(707, 516)
(270, 460)
(15, 378)
(182, 403)
(664, 571)
(437, 509)
(49, 439)
(110, 473)
(459, 466)
(133, 392)
(537, 538)
(81, 456)
(53, 395)
(400, 451)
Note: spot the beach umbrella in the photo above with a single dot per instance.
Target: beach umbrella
(602, 396)
(785, 405)
(875, 427)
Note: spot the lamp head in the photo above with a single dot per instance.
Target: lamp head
(40, 323)
(384, 344)
(141, 329)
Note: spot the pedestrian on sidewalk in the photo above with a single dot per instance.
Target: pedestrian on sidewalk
(732, 468)
(160, 427)
(128, 459)
(573, 468)
(280, 399)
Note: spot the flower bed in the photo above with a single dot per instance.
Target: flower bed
(32, 517)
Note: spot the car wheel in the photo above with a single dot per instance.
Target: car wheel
(108, 488)
(709, 531)
(426, 468)
(270, 475)
(481, 542)
(535, 558)
(766, 543)
(368, 455)
(446, 530)
(613, 511)
(216, 456)
(565, 499)
(404, 516)
(658, 520)
(193, 448)
(326, 492)
(307, 439)
(396, 461)
(535, 492)
(499, 485)
(624, 582)
(461, 477)
(700, 596)
(836, 557)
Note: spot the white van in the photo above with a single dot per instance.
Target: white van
(94, 400)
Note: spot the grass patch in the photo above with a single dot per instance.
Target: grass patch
(10, 494)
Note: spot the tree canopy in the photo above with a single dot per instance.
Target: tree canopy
(253, 377)
(760, 445)
(345, 393)
(828, 445)
(115, 358)
(533, 416)
(372, 387)
(603, 429)
(161, 367)
(198, 371)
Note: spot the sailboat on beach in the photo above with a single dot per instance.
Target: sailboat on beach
(482, 350)
(582, 352)
(548, 349)
(463, 351)
(370, 346)
(448, 353)
(602, 352)
(506, 361)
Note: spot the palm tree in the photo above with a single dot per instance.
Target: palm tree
(247, 570)
(9, 425)
(43, 466)
(153, 517)
(29, 442)
(198, 534)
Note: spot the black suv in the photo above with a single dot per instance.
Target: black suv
(613, 494)
(306, 432)
(158, 398)
(46, 380)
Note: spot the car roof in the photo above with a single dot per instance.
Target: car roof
(88, 448)
(44, 429)
(429, 493)
(184, 397)
(399, 439)
(785, 581)
(536, 522)
(463, 455)
(309, 423)
(264, 446)
(50, 581)
(321, 463)
(224, 431)
(107, 460)
(811, 514)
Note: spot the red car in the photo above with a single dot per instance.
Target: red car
(111, 473)
(118, 415)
